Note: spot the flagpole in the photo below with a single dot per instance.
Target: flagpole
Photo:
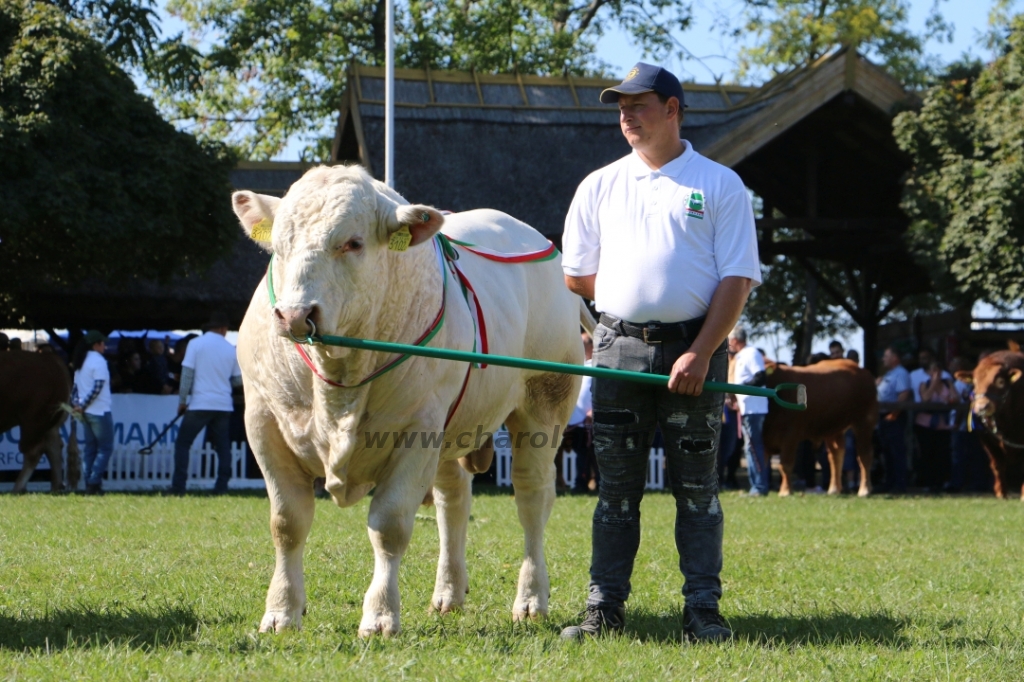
(389, 93)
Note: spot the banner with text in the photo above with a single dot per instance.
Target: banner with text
(138, 420)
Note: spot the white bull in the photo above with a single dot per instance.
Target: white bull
(332, 265)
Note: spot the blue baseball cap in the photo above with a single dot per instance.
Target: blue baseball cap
(645, 78)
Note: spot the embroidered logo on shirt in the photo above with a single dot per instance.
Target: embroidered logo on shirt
(695, 207)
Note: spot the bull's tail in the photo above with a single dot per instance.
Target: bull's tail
(586, 319)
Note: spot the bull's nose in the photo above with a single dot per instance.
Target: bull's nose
(984, 407)
(294, 321)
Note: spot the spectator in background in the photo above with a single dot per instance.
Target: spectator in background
(958, 429)
(5, 342)
(581, 428)
(748, 369)
(925, 358)
(15, 344)
(156, 376)
(130, 370)
(209, 370)
(835, 350)
(853, 355)
(933, 429)
(894, 387)
(91, 401)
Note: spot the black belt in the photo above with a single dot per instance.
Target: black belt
(655, 332)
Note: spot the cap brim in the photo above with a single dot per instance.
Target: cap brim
(611, 95)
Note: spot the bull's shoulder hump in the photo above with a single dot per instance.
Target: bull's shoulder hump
(493, 229)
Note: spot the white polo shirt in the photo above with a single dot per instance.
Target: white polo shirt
(660, 240)
(213, 359)
(747, 363)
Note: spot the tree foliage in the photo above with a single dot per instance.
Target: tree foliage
(273, 70)
(791, 33)
(94, 183)
(965, 192)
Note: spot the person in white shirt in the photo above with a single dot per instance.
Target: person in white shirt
(90, 400)
(663, 242)
(748, 369)
(209, 371)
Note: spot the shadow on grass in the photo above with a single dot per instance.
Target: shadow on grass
(89, 628)
(773, 630)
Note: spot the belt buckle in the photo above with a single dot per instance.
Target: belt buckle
(647, 339)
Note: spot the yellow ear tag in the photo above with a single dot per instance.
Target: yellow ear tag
(400, 239)
(261, 231)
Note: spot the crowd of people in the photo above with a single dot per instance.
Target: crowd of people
(202, 370)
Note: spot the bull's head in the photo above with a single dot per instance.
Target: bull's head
(993, 382)
(329, 235)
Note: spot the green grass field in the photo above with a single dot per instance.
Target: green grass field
(142, 586)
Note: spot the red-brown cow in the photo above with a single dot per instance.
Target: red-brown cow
(840, 395)
(999, 403)
(34, 386)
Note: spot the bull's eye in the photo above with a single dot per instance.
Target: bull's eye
(354, 245)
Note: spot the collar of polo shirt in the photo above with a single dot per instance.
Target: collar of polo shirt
(673, 168)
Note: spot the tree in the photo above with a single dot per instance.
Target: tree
(94, 183)
(965, 192)
(791, 33)
(274, 69)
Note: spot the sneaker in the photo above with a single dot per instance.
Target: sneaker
(597, 621)
(705, 625)
(751, 493)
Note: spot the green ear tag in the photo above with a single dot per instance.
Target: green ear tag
(400, 240)
(261, 231)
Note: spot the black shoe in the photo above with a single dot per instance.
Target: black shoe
(93, 488)
(705, 625)
(597, 621)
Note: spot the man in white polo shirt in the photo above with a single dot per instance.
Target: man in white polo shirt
(748, 369)
(663, 241)
(208, 371)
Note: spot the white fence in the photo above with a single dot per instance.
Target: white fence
(655, 468)
(128, 470)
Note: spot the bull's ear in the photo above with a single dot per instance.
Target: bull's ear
(256, 213)
(964, 377)
(1014, 375)
(422, 223)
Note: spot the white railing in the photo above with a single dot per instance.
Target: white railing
(655, 468)
(128, 470)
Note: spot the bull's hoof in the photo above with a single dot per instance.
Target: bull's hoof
(784, 492)
(446, 602)
(863, 492)
(529, 609)
(379, 624)
(278, 621)
(835, 491)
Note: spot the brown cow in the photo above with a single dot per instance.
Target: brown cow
(999, 403)
(840, 395)
(35, 386)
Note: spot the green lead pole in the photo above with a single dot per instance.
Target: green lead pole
(546, 366)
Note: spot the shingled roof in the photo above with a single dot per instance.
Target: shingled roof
(517, 143)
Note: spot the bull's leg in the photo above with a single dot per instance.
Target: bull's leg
(390, 523)
(787, 457)
(453, 498)
(31, 456)
(54, 449)
(290, 489)
(865, 456)
(836, 447)
(533, 478)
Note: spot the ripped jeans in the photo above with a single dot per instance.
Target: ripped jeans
(625, 415)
